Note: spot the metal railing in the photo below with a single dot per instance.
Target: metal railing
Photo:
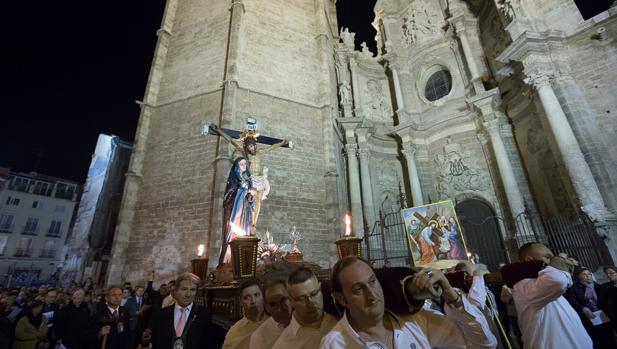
(7, 228)
(30, 230)
(572, 233)
(22, 252)
(54, 233)
(575, 234)
(47, 253)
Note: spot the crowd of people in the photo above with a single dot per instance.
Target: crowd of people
(78, 316)
(359, 307)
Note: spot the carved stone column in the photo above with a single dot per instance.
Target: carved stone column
(356, 88)
(367, 188)
(351, 151)
(471, 60)
(397, 90)
(514, 196)
(409, 151)
(586, 188)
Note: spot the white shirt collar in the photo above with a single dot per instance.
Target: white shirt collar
(344, 322)
(188, 308)
(111, 310)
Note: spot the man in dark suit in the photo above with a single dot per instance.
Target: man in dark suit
(112, 321)
(183, 321)
(135, 309)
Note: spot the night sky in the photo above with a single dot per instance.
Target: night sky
(70, 70)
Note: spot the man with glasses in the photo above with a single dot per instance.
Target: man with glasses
(309, 323)
(367, 324)
(279, 307)
(251, 297)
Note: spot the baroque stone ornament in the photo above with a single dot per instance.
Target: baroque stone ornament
(377, 107)
(349, 39)
(506, 9)
(455, 172)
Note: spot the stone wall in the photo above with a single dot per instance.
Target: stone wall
(196, 58)
(280, 72)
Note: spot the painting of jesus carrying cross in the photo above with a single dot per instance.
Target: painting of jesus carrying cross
(434, 235)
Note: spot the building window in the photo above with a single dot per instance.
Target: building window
(54, 229)
(24, 249)
(438, 85)
(3, 240)
(65, 191)
(37, 204)
(32, 226)
(12, 201)
(49, 251)
(60, 209)
(42, 188)
(19, 184)
(6, 223)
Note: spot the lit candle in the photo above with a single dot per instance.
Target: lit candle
(470, 258)
(200, 251)
(347, 225)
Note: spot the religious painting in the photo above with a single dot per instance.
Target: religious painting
(434, 235)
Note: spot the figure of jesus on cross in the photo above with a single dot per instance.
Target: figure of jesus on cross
(257, 184)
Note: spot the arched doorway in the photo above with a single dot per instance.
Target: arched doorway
(482, 232)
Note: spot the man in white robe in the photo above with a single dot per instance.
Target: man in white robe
(251, 297)
(367, 324)
(309, 323)
(279, 307)
(546, 319)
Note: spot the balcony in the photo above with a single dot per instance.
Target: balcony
(22, 252)
(53, 233)
(30, 230)
(7, 228)
(47, 253)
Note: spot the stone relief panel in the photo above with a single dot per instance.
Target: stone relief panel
(552, 178)
(377, 105)
(424, 21)
(458, 171)
(387, 176)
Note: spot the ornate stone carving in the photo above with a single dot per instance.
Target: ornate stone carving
(536, 138)
(364, 153)
(506, 10)
(407, 33)
(349, 39)
(537, 78)
(344, 91)
(422, 24)
(456, 173)
(377, 107)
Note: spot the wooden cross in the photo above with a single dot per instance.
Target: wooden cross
(424, 221)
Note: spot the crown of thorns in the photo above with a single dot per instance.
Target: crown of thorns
(249, 135)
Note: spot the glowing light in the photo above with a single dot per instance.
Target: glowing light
(236, 229)
(200, 251)
(347, 225)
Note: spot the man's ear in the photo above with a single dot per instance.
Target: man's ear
(528, 258)
(338, 296)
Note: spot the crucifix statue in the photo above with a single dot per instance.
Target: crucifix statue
(249, 180)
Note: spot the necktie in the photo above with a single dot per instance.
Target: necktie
(138, 303)
(181, 322)
(115, 315)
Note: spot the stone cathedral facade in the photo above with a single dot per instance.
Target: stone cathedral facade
(506, 106)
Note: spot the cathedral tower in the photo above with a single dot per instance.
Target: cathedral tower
(219, 62)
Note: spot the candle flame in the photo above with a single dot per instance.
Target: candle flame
(200, 251)
(237, 230)
(347, 225)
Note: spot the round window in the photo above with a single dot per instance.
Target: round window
(438, 85)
